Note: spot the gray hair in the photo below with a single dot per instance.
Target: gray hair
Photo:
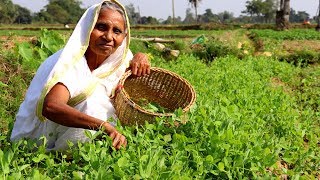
(116, 7)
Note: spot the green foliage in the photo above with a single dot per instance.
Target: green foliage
(294, 34)
(243, 126)
(261, 10)
(302, 58)
(33, 55)
(298, 17)
(170, 33)
(17, 69)
(152, 106)
(14, 82)
(180, 45)
(276, 42)
(7, 11)
(132, 14)
(24, 16)
(12, 13)
(25, 32)
(212, 49)
(308, 87)
(208, 16)
(61, 11)
(139, 46)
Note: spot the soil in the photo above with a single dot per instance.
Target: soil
(277, 82)
(299, 45)
(8, 42)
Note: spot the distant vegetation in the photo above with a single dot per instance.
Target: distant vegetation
(69, 11)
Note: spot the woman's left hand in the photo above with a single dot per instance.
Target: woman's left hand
(140, 64)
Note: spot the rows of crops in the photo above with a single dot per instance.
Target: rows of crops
(255, 117)
(296, 34)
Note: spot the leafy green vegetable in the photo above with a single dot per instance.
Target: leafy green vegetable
(152, 106)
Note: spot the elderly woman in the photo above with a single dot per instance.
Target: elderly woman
(71, 90)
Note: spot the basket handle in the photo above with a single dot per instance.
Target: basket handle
(116, 91)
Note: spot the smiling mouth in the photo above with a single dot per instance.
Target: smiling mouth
(105, 46)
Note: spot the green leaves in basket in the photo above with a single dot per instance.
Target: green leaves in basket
(151, 106)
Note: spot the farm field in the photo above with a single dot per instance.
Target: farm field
(257, 113)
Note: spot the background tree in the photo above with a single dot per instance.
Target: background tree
(208, 16)
(23, 16)
(283, 15)
(169, 20)
(148, 20)
(298, 17)
(254, 8)
(261, 11)
(189, 17)
(72, 7)
(62, 15)
(226, 17)
(195, 4)
(61, 11)
(12, 13)
(269, 9)
(134, 17)
(8, 12)
(243, 19)
(43, 16)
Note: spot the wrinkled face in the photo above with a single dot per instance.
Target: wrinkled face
(108, 33)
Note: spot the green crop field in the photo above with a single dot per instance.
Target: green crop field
(257, 113)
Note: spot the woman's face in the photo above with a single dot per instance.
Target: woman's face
(108, 33)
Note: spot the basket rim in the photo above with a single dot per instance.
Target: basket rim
(139, 108)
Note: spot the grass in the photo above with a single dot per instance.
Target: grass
(17, 32)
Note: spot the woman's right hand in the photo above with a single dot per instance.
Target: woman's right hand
(56, 108)
(118, 139)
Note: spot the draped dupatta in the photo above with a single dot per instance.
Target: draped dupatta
(75, 49)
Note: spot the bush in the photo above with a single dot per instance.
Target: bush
(302, 58)
(180, 45)
(212, 49)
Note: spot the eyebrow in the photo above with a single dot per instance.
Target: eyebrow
(106, 24)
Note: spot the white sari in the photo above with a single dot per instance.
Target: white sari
(90, 91)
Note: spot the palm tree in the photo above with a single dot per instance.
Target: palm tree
(282, 16)
(195, 4)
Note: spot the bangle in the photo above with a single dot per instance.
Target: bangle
(102, 124)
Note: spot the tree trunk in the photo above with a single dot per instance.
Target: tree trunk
(282, 16)
(173, 17)
(318, 19)
(196, 10)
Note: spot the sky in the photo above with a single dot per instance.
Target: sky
(161, 9)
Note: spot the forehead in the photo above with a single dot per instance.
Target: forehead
(111, 15)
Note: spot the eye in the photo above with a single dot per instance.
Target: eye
(117, 31)
(101, 27)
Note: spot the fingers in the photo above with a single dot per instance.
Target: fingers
(148, 70)
(118, 140)
(134, 67)
(140, 65)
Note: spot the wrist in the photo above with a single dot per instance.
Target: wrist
(108, 128)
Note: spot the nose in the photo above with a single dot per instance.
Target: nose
(108, 35)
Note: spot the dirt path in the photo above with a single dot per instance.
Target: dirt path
(8, 42)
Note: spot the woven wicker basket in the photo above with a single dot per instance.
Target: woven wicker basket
(161, 86)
